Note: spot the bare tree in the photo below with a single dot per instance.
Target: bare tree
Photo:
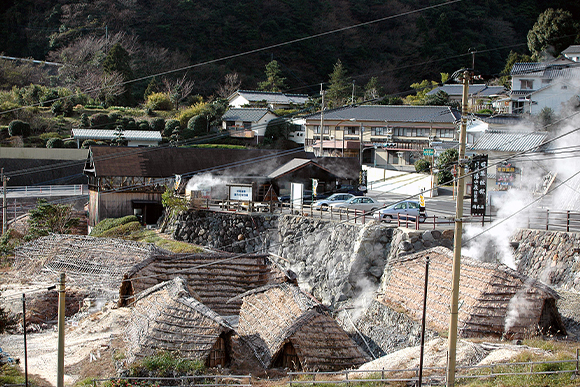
(231, 84)
(102, 86)
(178, 89)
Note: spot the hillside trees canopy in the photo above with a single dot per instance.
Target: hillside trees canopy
(274, 80)
(554, 31)
(339, 86)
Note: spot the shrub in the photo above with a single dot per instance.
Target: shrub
(159, 101)
(196, 126)
(47, 136)
(85, 121)
(170, 126)
(422, 165)
(19, 128)
(109, 223)
(121, 231)
(143, 125)
(55, 143)
(158, 124)
(131, 124)
(70, 144)
(87, 143)
(186, 114)
(99, 121)
(166, 364)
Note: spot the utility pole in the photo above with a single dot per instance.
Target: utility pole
(25, 348)
(61, 312)
(361, 144)
(452, 348)
(321, 119)
(4, 221)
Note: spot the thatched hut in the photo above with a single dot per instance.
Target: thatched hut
(288, 328)
(214, 277)
(494, 299)
(167, 317)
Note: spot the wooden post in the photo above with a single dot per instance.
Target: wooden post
(60, 352)
(547, 219)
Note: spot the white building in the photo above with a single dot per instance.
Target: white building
(268, 99)
(247, 122)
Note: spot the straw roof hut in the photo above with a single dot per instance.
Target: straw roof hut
(214, 277)
(494, 299)
(288, 328)
(167, 317)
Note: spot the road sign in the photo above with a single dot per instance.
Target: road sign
(421, 201)
(428, 151)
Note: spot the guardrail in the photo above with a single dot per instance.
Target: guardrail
(434, 376)
(47, 190)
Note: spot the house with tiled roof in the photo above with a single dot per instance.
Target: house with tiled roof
(133, 137)
(552, 84)
(480, 96)
(272, 100)
(382, 135)
(247, 122)
(572, 53)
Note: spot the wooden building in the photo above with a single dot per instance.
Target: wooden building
(288, 328)
(495, 300)
(167, 317)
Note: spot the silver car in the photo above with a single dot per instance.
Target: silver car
(365, 203)
(323, 204)
(408, 209)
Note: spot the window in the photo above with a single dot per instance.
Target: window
(445, 133)
(317, 129)
(230, 124)
(247, 125)
(399, 132)
(351, 129)
(400, 206)
(379, 131)
(526, 84)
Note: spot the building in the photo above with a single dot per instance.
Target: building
(272, 100)
(249, 123)
(288, 328)
(167, 317)
(133, 137)
(496, 300)
(382, 135)
(553, 84)
(479, 96)
(572, 53)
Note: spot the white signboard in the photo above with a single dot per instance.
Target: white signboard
(241, 192)
(296, 195)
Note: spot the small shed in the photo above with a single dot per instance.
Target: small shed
(495, 300)
(288, 328)
(134, 138)
(214, 277)
(167, 317)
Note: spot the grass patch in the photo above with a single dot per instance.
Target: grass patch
(166, 364)
(150, 236)
(109, 223)
(10, 375)
(122, 231)
(216, 146)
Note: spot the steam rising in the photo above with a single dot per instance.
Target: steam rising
(210, 185)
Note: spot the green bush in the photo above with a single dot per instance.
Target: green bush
(70, 144)
(170, 127)
(166, 364)
(19, 128)
(109, 223)
(143, 125)
(159, 101)
(55, 143)
(100, 121)
(85, 121)
(87, 144)
(196, 126)
(422, 165)
(158, 124)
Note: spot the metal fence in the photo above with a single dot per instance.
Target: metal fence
(435, 376)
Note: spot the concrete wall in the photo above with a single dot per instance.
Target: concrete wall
(43, 153)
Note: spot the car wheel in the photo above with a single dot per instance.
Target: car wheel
(388, 218)
(324, 207)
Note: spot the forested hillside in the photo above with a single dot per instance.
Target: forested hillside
(164, 34)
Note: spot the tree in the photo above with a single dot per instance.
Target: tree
(119, 139)
(48, 218)
(554, 31)
(421, 89)
(118, 61)
(55, 143)
(274, 80)
(173, 204)
(422, 165)
(19, 128)
(445, 163)
(278, 128)
(546, 117)
(178, 89)
(231, 84)
(339, 87)
(372, 89)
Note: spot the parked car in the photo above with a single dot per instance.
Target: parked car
(408, 209)
(349, 189)
(323, 204)
(365, 203)
(307, 197)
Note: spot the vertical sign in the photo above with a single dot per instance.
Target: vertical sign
(479, 185)
(362, 181)
(314, 186)
(505, 174)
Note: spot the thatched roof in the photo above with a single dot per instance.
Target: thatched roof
(275, 315)
(87, 261)
(167, 317)
(494, 299)
(214, 277)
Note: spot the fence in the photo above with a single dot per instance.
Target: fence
(190, 381)
(434, 376)
(47, 190)
(555, 220)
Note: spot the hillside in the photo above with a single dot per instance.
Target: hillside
(167, 34)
